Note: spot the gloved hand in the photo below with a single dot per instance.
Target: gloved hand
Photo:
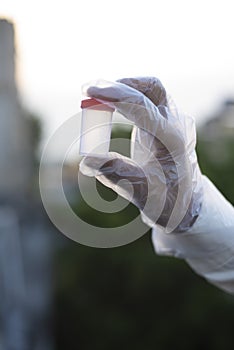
(162, 177)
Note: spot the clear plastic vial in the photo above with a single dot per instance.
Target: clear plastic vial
(95, 127)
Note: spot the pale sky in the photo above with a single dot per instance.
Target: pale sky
(63, 44)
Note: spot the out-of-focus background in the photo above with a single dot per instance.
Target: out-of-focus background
(55, 293)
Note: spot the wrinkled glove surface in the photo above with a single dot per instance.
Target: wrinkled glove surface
(162, 177)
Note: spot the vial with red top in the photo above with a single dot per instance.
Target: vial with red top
(95, 127)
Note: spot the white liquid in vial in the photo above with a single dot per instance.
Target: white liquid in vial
(95, 131)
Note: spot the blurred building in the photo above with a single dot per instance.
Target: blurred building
(217, 134)
(25, 235)
(221, 124)
(15, 150)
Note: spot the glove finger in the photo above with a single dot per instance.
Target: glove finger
(149, 86)
(119, 173)
(134, 105)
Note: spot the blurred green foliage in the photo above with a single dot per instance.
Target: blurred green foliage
(130, 298)
(216, 159)
(35, 131)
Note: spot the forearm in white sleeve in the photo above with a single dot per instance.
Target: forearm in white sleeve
(208, 247)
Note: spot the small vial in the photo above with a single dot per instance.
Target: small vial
(95, 127)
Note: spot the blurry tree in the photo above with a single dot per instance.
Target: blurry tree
(35, 130)
(216, 159)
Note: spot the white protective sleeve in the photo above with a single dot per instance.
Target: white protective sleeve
(208, 247)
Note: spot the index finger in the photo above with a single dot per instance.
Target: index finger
(150, 87)
(131, 103)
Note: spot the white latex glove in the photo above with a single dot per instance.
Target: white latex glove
(162, 172)
(208, 246)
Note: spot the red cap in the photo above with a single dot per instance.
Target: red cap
(94, 104)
